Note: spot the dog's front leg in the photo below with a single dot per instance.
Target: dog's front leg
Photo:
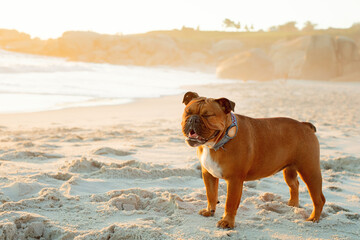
(211, 185)
(234, 191)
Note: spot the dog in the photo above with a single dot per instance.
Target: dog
(238, 148)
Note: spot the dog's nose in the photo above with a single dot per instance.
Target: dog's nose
(195, 119)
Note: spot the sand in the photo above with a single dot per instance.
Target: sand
(124, 172)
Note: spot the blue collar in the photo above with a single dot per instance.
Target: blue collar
(226, 137)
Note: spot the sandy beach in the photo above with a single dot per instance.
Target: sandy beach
(125, 172)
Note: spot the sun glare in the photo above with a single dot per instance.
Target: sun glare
(49, 19)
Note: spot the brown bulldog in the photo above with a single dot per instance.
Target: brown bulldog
(239, 148)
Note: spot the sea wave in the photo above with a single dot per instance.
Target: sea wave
(35, 83)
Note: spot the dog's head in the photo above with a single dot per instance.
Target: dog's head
(205, 120)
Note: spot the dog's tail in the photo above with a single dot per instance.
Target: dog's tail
(310, 125)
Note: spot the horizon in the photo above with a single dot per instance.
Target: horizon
(54, 18)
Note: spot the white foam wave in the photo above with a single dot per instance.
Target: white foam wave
(33, 83)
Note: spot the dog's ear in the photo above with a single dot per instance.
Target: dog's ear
(189, 96)
(226, 104)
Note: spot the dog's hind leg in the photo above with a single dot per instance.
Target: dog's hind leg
(290, 176)
(313, 181)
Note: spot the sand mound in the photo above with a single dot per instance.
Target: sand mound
(15, 155)
(138, 200)
(4, 198)
(61, 176)
(21, 189)
(27, 144)
(111, 151)
(73, 138)
(82, 165)
(134, 169)
(22, 225)
(53, 194)
(125, 231)
(126, 202)
(349, 163)
(267, 201)
(130, 169)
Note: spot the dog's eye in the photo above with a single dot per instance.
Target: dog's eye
(207, 116)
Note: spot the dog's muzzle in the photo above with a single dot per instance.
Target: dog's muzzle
(194, 133)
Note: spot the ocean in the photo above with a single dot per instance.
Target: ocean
(30, 83)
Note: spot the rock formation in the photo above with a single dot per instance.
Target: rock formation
(248, 65)
(314, 57)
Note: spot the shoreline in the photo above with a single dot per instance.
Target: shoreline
(74, 115)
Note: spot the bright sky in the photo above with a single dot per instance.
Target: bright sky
(50, 18)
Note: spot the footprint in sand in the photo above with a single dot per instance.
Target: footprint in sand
(335, 189)
(348, 163)
(21, 155)
(73, 138)
(333, 208)
(111, 151)
(27, 144)
(48, 146)
(175, 139)
(145, 145)
(353, 217)
(61, 176)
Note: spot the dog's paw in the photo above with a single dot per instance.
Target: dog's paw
(223, 223)
(207, 213)
(293, 203)
(313, 219)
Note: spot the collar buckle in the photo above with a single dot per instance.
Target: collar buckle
(226, 138)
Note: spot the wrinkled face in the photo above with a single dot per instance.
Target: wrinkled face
(204, 119)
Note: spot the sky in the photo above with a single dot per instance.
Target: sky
(50, 18)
